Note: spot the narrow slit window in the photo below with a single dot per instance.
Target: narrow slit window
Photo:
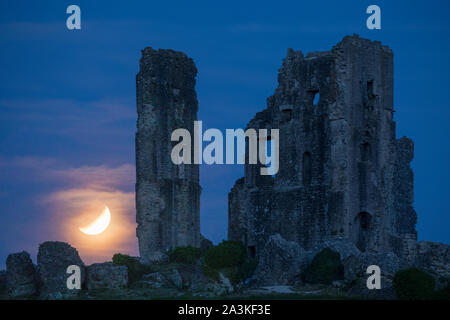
(370, 89)
(269, 154)
(307, 170)
(365, 151)
(286, 115)
(316, 98)
(252, 251)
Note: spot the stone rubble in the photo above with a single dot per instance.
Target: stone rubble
(106, 276)
(53, 259)
(20, 275)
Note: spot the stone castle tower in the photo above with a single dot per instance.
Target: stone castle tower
(167, 195)
(343, 173)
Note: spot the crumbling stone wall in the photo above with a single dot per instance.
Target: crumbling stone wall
(343, 173)
(167, 195)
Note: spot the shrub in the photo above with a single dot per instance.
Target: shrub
(230, 258)
(413, 284)
(443, 294)
(210, 272)
(135, 269)
(325, 267)
(187, 254)
(248, 268)
(226, 254)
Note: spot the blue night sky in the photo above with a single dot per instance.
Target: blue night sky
(68, 112)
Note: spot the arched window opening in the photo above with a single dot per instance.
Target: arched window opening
(286, 115)
(316, 97)
(370, 89)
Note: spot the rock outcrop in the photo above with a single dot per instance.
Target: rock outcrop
(154, 280)
(175, 278)
(20, 275)
(281, 262)
(387, 292)
(355, 266)
(106, 276)
(344, 247)
(53, 259)
(201, 286)
(167, 195)
(168, 278)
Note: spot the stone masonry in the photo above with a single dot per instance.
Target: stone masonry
(344, 177)
(167, 195)
(343, 173)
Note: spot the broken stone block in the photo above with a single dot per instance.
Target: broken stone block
(344, 247)
(20, 275)
(281, 262)
(175, 278)
(205, 244)
(386, 292)
(226, 284)
(153, 280)
(54, 258)
(106, 276)
(154, 258)
(355, 266)
(205, 287)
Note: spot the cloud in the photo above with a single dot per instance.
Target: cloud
(103, 127)
(99, 177)
(78, 207)
(73, 198)
(89, 189)
(67, 116)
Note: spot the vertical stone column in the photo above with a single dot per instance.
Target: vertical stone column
(167, 195)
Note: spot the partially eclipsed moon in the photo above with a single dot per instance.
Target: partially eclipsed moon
(99, 225)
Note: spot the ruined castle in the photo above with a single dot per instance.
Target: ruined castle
(343, 173)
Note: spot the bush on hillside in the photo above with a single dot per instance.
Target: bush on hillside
(230, 258)
(187, 254)
(413, 284)
(325, 268)
(135, 269)
(224, 255)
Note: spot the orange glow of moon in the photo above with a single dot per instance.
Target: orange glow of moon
(99, 225)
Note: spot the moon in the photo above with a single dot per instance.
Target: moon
(99, 225)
